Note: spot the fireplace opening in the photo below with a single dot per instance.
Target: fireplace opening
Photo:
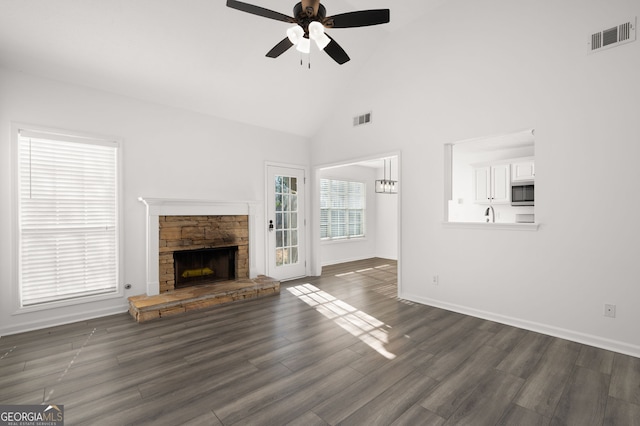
(202, 266)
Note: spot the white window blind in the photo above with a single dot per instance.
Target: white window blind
(342, 209)
(68, 217)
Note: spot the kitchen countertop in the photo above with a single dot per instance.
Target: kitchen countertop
(492, 226)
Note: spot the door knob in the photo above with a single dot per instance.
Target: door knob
(270, 225)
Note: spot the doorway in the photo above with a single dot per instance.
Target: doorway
(286, 253)
(348, 228)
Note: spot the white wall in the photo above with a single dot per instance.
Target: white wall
(387, 226)
(167, 153)
(480, 68)
(387, 216)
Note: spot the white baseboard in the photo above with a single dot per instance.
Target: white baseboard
(345, 260)
(387, 256)
(62, 320)
(575, 336)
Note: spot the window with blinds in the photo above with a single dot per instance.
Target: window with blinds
(68, 217)
(342, 209)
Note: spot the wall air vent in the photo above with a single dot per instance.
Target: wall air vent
(613, 36)
(362, 119)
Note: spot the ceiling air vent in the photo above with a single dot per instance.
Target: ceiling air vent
(614, 36)
(362, 119)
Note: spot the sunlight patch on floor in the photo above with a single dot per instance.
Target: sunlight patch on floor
(368, 329)
(344, 274)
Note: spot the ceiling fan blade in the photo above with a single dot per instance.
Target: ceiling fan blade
(280, 48)
(334, 50)
(260, 11)
(361, 18)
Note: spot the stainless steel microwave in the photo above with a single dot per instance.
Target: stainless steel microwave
(523, 193)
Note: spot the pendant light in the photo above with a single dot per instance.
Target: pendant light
(384, 185)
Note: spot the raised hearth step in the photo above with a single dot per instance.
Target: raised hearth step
(144, 308)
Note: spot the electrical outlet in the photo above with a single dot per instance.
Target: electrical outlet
(435, 280)
(610, 311)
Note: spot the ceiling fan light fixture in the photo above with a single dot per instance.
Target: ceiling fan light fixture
(295, 33)
(322, 41)
(304, 45)
(316, 33)
(315, 29)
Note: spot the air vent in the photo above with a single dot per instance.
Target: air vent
(362, 119)
(613, 36)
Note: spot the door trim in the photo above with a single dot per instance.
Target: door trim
(307, 209)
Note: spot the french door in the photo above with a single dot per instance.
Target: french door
(286, 256)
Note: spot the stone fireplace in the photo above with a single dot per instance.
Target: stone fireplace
(199, 254)
(176, 225)
(202, 250)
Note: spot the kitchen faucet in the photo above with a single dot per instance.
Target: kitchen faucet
(493, 214)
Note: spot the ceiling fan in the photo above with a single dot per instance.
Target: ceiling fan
(311, 19)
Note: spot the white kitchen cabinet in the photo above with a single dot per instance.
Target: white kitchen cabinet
(492, 184)
(523, 170)
(482, 184)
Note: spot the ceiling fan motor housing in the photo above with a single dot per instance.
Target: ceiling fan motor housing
(306, 16)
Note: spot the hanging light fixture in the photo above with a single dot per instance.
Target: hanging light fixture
(384, 185)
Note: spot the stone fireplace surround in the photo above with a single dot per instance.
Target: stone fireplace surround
(199, 224)
(163, 207)
(186, 233)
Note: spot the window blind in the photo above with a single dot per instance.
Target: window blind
(342, 206)
(68, 217)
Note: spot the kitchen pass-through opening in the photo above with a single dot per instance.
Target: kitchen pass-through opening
(491, 179)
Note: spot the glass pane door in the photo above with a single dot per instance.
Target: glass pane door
(285, 222)
(286, 201)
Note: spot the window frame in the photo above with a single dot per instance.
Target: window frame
(15, 221)
(347, 224)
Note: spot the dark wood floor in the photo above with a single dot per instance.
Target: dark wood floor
(336, 349)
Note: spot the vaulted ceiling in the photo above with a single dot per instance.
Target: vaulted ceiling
(194, 54)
